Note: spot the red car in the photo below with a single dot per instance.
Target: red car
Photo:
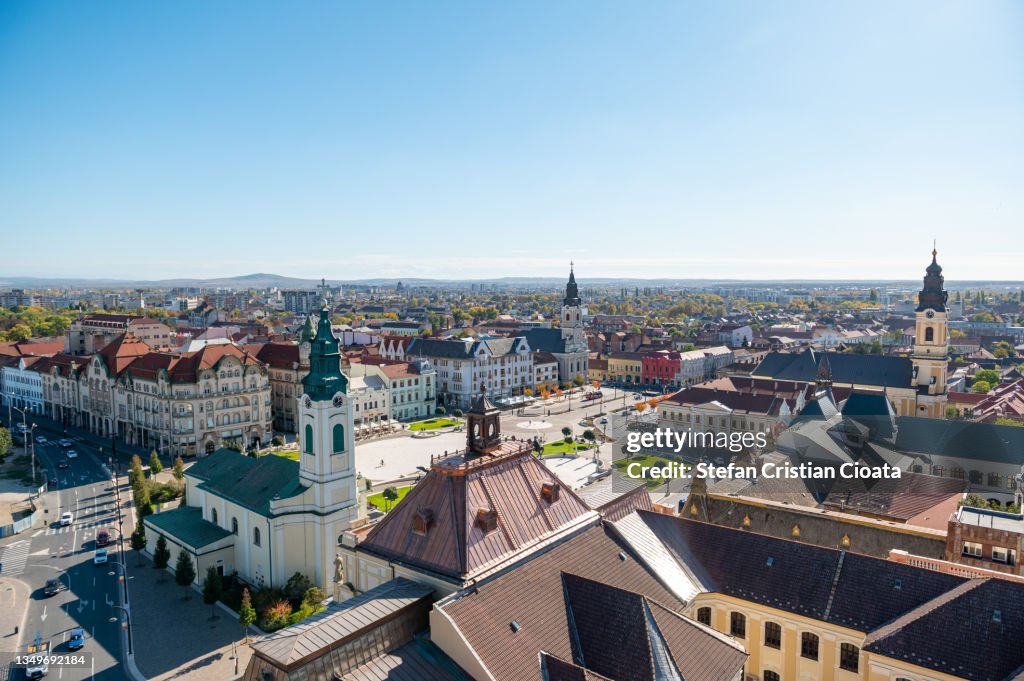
(102, 537)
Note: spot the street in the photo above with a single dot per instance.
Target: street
(83, 488)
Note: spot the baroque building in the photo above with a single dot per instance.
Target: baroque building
(931, 344)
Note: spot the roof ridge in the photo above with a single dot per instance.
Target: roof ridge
(923, 609)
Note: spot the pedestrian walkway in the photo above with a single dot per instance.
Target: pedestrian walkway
(67, 529)
(14, 557)
(14, 595)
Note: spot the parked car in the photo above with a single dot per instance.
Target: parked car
(72, 454)
(603, 421)
(66, 518)
(102, 537)
(100, 557)
(64, 443)
(76, 639)
(54, 587)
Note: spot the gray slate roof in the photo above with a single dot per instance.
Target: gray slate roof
(873, 370)
(548, 340)
(961, 439)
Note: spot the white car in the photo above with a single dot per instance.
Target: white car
(64, 443)
(40, 439)
(66, 518)
(100, 557)
(72, 454)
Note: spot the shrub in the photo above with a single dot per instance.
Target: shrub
(276, 616)
(297, 586)
(277, 441)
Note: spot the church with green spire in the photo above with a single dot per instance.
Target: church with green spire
(324, 379)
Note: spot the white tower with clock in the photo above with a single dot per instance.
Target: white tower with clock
(931, 344)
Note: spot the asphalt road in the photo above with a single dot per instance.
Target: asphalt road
(85, 489)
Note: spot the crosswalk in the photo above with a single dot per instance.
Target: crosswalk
(14, 557)
(67, 529)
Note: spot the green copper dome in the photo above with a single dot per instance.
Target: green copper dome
(325, 377)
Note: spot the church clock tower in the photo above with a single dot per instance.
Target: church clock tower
(573, 361)
(931, 344)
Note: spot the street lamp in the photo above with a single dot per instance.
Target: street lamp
(128, 623)
(123, 574)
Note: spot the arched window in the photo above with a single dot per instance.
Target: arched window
(975, 476)
(213, 516)
(769, 675)
(772, 635)
(308, 440)
(737, 624)
(809, 645)
(929, 335)
(849, 657)
(339, 438)
(704, 616)
(256, 536)
(234, 526)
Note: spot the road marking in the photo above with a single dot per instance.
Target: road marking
(43, 616)
(37, 533)
(14, 557)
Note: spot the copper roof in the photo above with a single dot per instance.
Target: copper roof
(455, 543)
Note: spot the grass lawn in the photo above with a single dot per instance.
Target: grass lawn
(645, 460)
(380, 502)
(434, 424)
(560, 447)
(292, 454)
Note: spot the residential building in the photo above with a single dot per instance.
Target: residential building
(503, 366)
(302, 302)
(734, 335)
(17, 297)
(91, 333)
(20, 386)
(411, 386)
(403, 328)
(269, 517)
(987, 539)
(659, 369)
(626, 368)
(545, 368)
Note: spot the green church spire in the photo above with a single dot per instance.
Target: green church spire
(307, 330)
(324, 378)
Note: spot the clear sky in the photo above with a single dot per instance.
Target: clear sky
(448, 139)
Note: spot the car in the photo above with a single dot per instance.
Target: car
(76, 639)
(40, 439)
(72, 454)
(102, 537)
(64, 442)
(100, 557)
(36, 671)
(62, 465)
(66, 518)
(22, 428)
(54, 587)
(603, 421)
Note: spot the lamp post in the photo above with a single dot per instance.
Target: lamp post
(128, 623)
(123, 574)
(27, 433)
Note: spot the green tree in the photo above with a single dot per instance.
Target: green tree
(296, 587)
(313, 598)
(179, 469)
(951, 412)
(212, 589)
(990, 376)
(184, 571)
(390, 495)
(161, 555)
(246, 613)
(980, 387)
(154, 463)
(138, 543)
(6, 442)
(567, 434)
(135, 475)
(440, 411)
(143, 505)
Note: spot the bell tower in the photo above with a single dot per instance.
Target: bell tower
(572, 310)
(930, 356)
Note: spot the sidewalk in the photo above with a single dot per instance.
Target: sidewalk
(196, 648)
(14, 595)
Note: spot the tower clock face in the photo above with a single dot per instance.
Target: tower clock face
(338, 401)
(929, 314)
(307, 402)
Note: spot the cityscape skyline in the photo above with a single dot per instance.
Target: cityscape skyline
(413, 147)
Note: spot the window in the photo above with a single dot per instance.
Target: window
(234, 526)
(809, 645)
(256, 536)
(308, 440)
(972, 549)
(737, 625)
(1001, 555)
(849, 657)
(339, 438)
(772, 635)
(769, 675)
(929, 335)
(704, 616)
(213, 516)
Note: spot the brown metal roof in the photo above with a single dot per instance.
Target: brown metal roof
(455, 544)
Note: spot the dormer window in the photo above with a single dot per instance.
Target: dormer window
(421, 521)
(549, 491)
(487, 519)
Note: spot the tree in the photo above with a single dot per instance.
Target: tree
(246, 613)
(154, 463)
(990, 376)
(184, 571)
(457, 413)
(980, 387)
(390, 495)
(951, 412)
(296, 587)
(6, 442)
(276, 616)
(179, 469)
(589, 436)
(212, 588)
(578, 380)
(277, 441)
(567, 434)
(313, 598)
(138, 542)
(161, 555)
(143, 505)
(440, 411)
(135, 474)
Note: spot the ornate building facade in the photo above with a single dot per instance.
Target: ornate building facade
(931, 344)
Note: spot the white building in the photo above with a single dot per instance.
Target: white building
(20, 385)
(504, 366)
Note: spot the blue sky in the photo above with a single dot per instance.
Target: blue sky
(447, 139)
